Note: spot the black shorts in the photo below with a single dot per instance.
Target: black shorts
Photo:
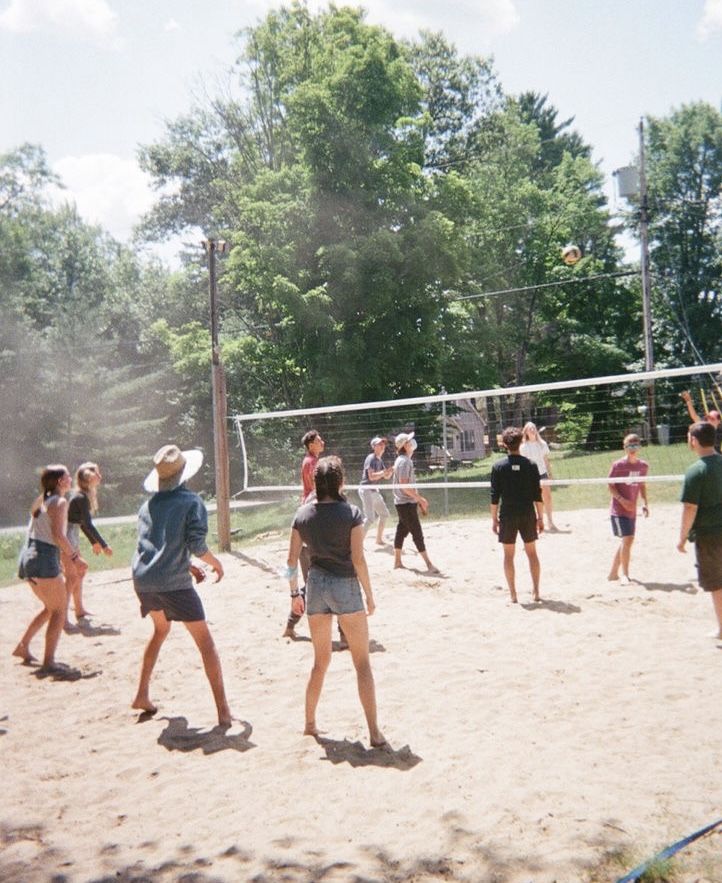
(183, 605)
(512, 523)
(708, 549)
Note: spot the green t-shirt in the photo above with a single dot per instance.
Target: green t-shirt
(703, 487)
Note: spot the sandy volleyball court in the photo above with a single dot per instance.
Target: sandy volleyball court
(564, 741)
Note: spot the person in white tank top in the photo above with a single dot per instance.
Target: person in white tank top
(40, 564)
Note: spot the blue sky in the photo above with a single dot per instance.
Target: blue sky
(90, 80)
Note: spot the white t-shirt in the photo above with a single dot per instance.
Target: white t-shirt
(536, 452)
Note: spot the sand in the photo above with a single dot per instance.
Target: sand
(564, 741)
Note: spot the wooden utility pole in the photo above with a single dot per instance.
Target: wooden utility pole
(646, 282)
(220, 434)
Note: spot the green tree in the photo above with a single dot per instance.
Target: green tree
(684, 160)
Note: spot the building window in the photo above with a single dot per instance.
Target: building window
(466, 439)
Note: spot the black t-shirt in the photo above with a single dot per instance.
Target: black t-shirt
(515, 481)
(326, 529)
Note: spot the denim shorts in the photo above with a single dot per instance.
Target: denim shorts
(328, 593)
(39, 560)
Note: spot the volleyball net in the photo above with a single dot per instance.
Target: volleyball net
(459, 434)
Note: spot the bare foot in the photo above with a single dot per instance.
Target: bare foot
(398, 566)
(289, 633)
(431, 569)
(381, 543)
(535, 597)
(23, 651)
(378, 740)
(224, 717)
(514, 599)
(83, 614)
(613, 577)
(311, 729)
(144, 704)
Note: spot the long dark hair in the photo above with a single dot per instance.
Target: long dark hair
(49, 480)
(328, 478)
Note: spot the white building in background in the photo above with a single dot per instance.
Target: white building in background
(465, 434)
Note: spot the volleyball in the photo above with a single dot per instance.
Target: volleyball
(571, 254)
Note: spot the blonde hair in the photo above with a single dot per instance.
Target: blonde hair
(529, 427)
(82, 483)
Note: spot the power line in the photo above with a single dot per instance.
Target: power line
(550, 284)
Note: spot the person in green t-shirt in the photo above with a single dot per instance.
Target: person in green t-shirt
(702, 513)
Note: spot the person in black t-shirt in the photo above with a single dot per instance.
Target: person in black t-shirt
(515, 485)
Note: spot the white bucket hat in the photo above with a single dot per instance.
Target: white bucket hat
(403, 438)
(172, 467)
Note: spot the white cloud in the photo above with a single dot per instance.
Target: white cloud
(86, 19)
(711, 21)
(171, 25)
(107, 190)
(469, 23)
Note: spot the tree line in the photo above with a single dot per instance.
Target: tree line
(376, 195)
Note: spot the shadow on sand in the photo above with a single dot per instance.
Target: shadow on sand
(178, 736)
(686, 588)
(357, 755)
(62, 672)
(553, 606)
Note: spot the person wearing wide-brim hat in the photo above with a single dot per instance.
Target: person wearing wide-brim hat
(172, 526)
(408, 501)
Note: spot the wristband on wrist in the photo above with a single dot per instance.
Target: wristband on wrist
(290, 572)
(295, 594)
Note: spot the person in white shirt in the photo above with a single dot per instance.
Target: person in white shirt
(534, 448)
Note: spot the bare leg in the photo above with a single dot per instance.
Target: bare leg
(534, 568)
(397, 559)
(76, 590)
(380, 532)
(622, 558)
(509, 570)
(355, 626)
(212, 665)
(429, 566)
(161, 628)
(320, 627)
(23, 648)
(717, 601)
(547, 500)
(53, 594)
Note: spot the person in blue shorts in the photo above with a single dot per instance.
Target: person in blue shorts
(623, 507)
(172, 526)
(332, 530)
(517, 508)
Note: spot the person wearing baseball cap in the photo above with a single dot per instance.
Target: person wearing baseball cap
(372, 501)
(408, 501)
(172, 526)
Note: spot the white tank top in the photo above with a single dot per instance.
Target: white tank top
(40, 527)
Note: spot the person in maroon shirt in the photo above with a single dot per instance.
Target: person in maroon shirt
(314, 445)
(623, 508)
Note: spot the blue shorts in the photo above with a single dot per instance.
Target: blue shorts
(182, 605)
(39, 560)
(623, 526)
(328, 593)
